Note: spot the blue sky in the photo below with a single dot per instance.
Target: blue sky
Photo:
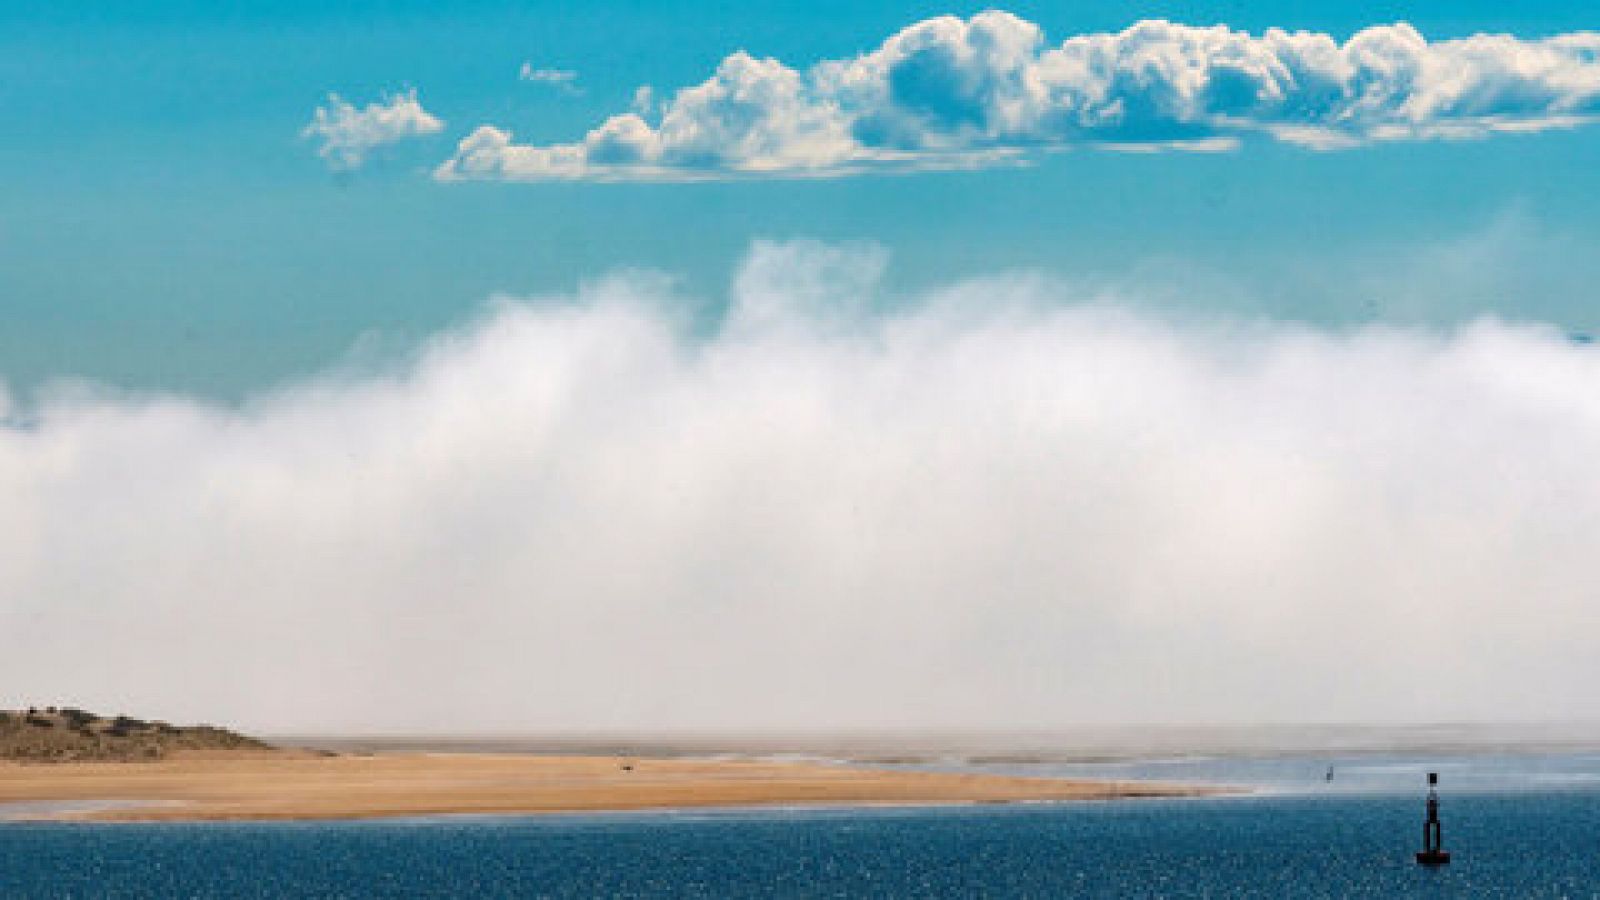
(166, 225)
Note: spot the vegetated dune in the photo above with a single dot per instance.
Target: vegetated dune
(51, 734)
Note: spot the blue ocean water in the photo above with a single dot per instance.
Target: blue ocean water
(1522, 842)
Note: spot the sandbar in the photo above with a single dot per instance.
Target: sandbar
(314, 786)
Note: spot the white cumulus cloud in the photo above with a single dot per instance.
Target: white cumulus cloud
(346, 134)
(1006, 504)
(948, 92)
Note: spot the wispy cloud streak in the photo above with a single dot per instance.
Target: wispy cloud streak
(564, 80)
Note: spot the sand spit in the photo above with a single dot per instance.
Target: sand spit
(311, 786)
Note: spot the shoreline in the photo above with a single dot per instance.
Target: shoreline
(304, 786)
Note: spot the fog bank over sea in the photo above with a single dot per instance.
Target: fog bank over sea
(1089, 744)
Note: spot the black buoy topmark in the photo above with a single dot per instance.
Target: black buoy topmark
(1432, 853)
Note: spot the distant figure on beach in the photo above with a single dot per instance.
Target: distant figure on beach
(1329, 776)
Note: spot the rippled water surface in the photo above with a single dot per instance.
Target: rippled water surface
(1507, 845)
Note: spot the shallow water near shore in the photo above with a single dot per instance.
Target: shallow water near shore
(1522, 843)
(1367, 773)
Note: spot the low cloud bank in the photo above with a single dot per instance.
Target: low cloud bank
(947, 92)
(1007, 504)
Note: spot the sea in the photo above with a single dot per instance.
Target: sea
(1517, 825)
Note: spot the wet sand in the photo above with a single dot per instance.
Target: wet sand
(310, 786)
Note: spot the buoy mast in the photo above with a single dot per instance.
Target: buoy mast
(1433, 852)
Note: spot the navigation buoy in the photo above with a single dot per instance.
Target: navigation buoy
(1433, 852)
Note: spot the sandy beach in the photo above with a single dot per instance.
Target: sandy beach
(310, 786)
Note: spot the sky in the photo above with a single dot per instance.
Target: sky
(531, 366)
